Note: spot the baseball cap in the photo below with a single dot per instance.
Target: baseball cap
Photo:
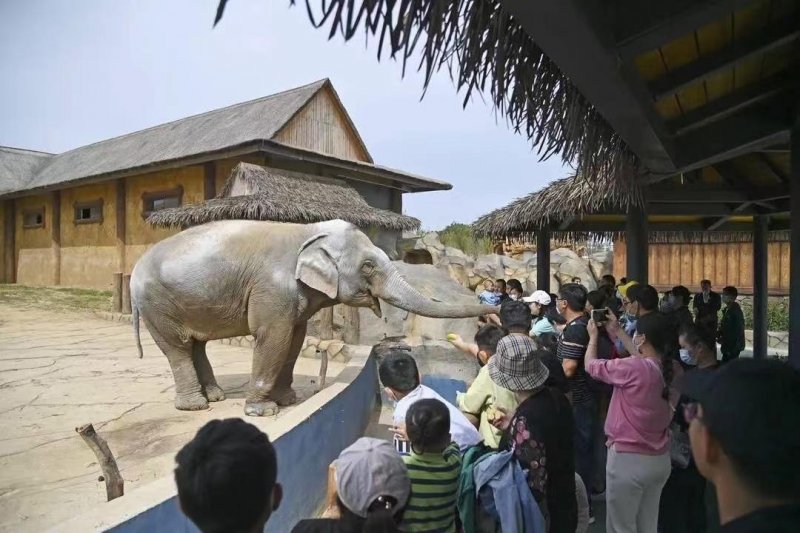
(368, 469)
(539, 297)
(752, 408)
(623, 289)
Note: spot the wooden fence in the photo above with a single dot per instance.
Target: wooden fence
(723, 263)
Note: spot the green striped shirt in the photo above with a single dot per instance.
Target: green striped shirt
(434, 489)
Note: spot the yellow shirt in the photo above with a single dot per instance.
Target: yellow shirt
(480, 401)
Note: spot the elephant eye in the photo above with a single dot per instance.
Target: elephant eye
(367, 268)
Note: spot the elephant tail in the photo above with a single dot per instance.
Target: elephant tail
(135, 319)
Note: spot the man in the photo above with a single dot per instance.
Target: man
(679, 298)
(744, 431)
(571, 351)
(608, 284)
(731, 329)
(706, 304)
(226, 478)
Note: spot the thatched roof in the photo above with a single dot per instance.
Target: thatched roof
(18, 166)
(573, 199)
(487, 51)
(562, 200)
(253, 192)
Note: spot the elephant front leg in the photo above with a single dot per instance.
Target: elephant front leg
(269, 356)
(283, 393)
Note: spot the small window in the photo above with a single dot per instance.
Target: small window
(33, 218)
(89, 212)
(156, 201)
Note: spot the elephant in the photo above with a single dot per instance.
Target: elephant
(232, 278)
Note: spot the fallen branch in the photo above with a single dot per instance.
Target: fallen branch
(115, 485)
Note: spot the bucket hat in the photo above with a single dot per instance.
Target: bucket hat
(515, 365)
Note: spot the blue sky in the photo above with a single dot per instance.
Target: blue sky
(75, 72)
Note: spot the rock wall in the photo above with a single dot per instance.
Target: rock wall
(471, 272)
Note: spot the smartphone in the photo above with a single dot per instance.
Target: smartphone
(600, 316)
(403, 447)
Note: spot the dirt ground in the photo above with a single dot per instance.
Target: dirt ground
(61, 368)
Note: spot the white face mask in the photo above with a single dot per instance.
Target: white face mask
(687, 357)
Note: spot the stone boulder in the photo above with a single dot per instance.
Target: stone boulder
(489, 266)
(433, 282)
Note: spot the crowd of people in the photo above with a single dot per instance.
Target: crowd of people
(581, 395)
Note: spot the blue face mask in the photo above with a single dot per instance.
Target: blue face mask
(688, 357)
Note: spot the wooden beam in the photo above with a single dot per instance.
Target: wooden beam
(712, 195)
(637, 253)
(589, 226)
(10, 251)
(731, 103)
(727, 170)
(209, 180)
(55, 235)
(757, 126)
(565, 223)
(760, 287)
(595, 71)
(766, 163)
(778, 35)
(723, 219)
(543, 260)
(794, 246)
(658, 23)
(119, 221)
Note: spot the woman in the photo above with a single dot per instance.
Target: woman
(683, 500)
(372, 490)
(637, 426)
(539, 303)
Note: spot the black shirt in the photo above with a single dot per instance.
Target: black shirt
(540, 435)
(320, 525)
(572, 345)
(781, 519)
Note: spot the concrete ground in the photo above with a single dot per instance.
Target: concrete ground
(60, 370)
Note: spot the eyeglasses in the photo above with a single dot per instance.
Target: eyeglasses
(691, 411)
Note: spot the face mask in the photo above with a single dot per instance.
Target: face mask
(514, 297)
(688, 357)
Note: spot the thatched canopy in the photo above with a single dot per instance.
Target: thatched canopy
(575, 209)
(253, 192)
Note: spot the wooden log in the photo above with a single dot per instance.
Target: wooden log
(126, 294)
(351, 332)
(325, 321)
(115, 485)
(116, 298)
(323, 370)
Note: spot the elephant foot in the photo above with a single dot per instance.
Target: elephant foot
(262, 408)
(284, 397)
(191, 402)
(214, 393)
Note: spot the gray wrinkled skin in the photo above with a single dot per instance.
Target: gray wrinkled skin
(266, 279)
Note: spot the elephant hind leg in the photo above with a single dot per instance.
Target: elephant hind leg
(283, 393)
(205, 374)
(188, 391)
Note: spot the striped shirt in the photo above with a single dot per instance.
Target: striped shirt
(434, 489)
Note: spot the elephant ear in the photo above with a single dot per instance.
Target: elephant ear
(316, 268)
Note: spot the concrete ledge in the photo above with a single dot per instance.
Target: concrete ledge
(306, 443)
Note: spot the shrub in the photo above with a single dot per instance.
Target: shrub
(461, 236)
(777, 313)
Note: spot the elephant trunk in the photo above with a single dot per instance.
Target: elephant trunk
(395, 290)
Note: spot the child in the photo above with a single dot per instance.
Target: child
(399, 375)
(489, 296)
(434, 466)
(484, 396)
(486, 340)
(226, 477)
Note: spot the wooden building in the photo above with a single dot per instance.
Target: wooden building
(76, 218)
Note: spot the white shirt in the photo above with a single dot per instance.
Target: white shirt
(462, 431)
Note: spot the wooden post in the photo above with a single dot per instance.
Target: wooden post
(116, 298)
(543, 260)
(794, 245)
(209, 180)
(10, 252)
(126, 294)
(351, 332)
(325, 317)
(121, 213)
(55, 236)
(115, 484)
(637, 246)
(760, 291)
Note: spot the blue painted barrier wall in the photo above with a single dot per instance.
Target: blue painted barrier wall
(304, 453)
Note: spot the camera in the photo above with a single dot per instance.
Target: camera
(600, 316)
